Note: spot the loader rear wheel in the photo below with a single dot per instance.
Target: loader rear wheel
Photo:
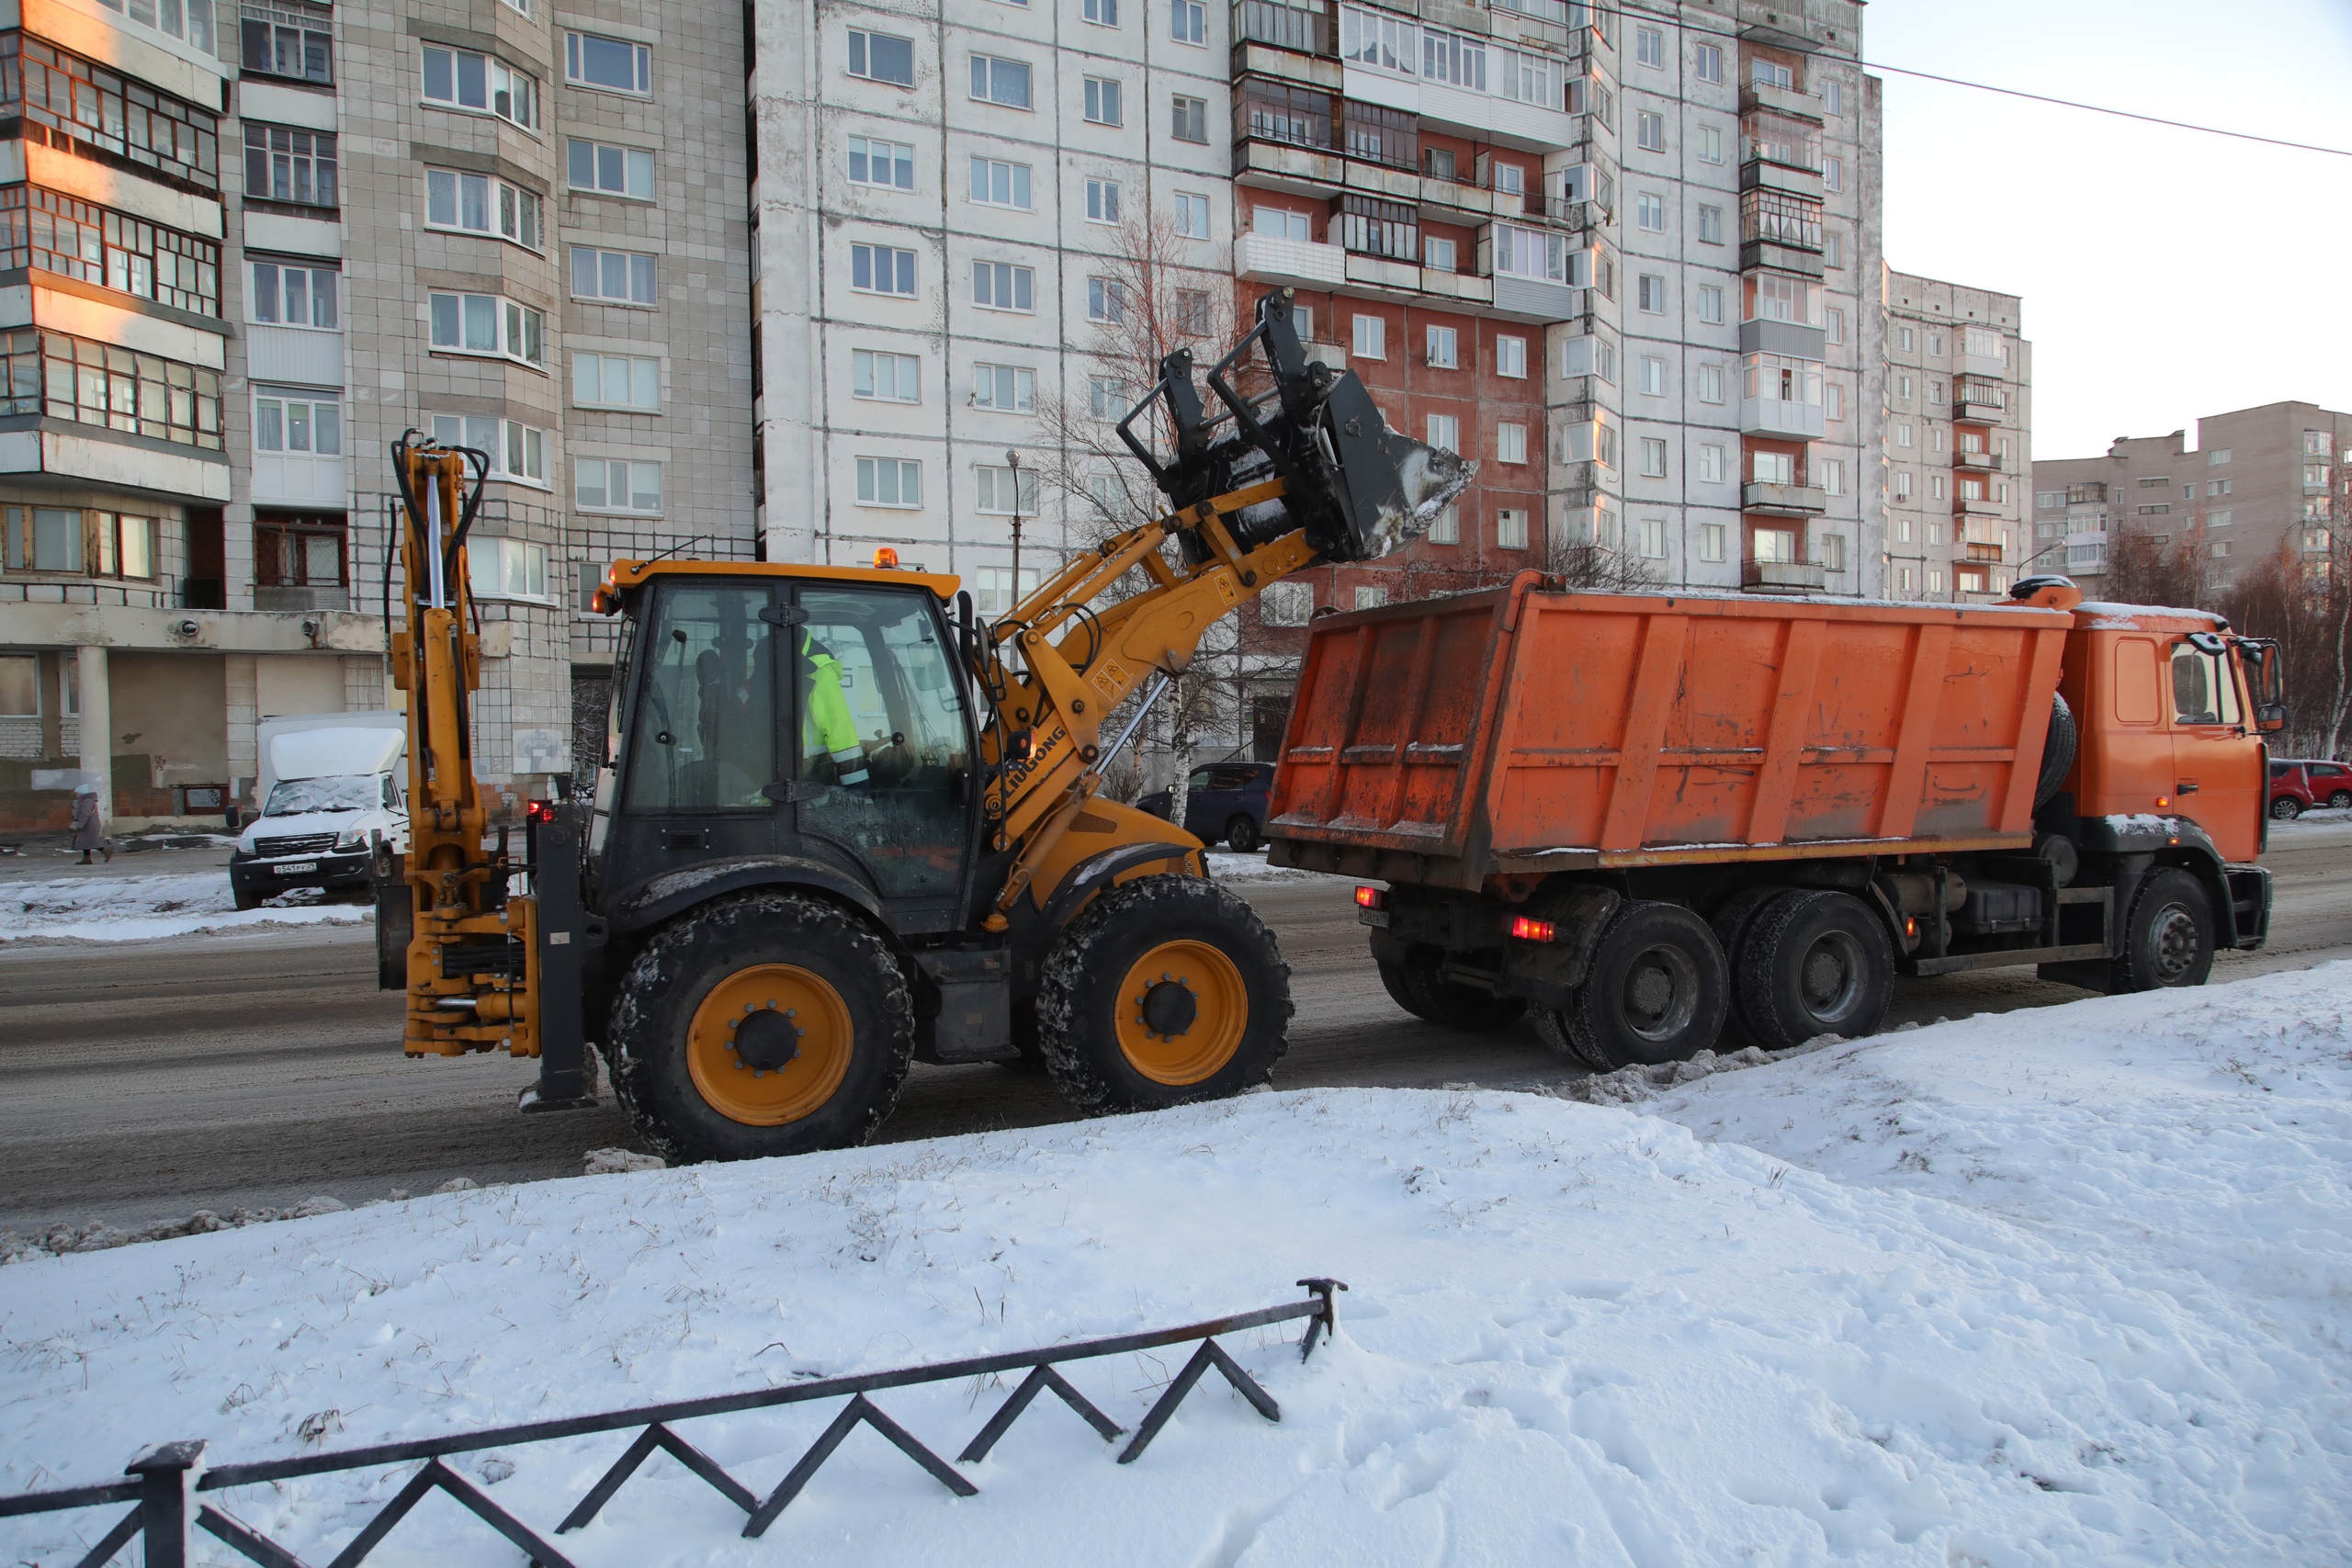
(772, 1024)
(1813, 963)
(1656, 991)
(1166, 990)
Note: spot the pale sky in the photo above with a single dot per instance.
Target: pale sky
(2165, 275)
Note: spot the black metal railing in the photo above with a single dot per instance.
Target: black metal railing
(162, 1482)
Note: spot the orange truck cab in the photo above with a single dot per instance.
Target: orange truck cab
(1661, 821)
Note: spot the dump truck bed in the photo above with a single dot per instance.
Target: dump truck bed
(1525, 730)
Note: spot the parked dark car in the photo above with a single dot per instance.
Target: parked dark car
(1224, 800)
(2297, 787)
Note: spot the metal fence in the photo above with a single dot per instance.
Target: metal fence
(165, 1482)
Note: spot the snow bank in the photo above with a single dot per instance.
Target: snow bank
(2051, 1288)
(1226, 866)
(126, 908)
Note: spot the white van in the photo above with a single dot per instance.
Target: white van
(330, 790)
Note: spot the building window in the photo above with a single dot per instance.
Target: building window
(1371, 226)
(1652, 456)
(289, 166)
(616, 380)
(506, 569)
(1281, 223)
(1833, 173)
(1711, 541)
(1833, 552)
(1836, 324)
(1371, 337)
(998, 184)
(1106, 397)
(1833, 476)
(478, 203)
(1835, 395)
(2217, 486)
(1192, 311)
(1191, 118)
(999, 496)
(1649, 46)
(1710, 464)
(889, 481)
(616, 65)
(2217, 518)
(1007, 389)
(609, 171)
(1102, 12)
(1772, 468)
(882, 269)
(885, 378)
(1832, 248)
(1287, 604)
(460, 79)
(998, 81)
(302, 551)
(1511, 355)
(288, 39)
(1649, 132)
(1588, 355)
(1444, 431)
(294, 296)
(873, 162)
(1775, 378)
(2217, 456)
(1649, 211)
(75, 239)
(1191, 216)
(1902, 484)
(1536, 254)
(90, 543)
(1106, 300)
(1903, 389)
(1652, 544)
(1511, 443)
(1653, 376)
(610, 484)
(516, 451)
(878, 57)
(486, 323)
(1711, 225)
(1442, 345)
(313, 427)
(1101, 201)
(612, 278)
(1371, 597)
(1103, 104)
(1650, 293)
(1511, 529)
(44, 538)
(1710, 304)
(69, 97)
(1711, 144)
(75, 378)
(1711, 383)
(1707, 63)
(1903, 435)
(1188, 21)
(1439, 254)
(1445, 528)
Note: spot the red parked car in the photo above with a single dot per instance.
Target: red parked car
(2297, 787)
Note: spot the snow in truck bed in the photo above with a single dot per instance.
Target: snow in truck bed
(2067, 1287)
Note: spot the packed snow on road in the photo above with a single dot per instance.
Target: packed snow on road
(130, 907)
(2062, 1287)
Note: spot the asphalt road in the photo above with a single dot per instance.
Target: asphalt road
(145, 1080)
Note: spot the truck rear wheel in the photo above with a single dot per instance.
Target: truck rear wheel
(1657, 990)
(1163, 990)
(1812, 963)
(772, 1024)
(2167, 937)
(1416, 986)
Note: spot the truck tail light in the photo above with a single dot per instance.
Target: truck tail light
(1532, 930)
(1910, 926)
(539, 811)
(1370, 898)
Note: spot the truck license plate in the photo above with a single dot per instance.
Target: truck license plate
(294, 867)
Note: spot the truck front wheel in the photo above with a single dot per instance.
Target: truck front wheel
(1657, 990)
(2167, 938)
(771, 1025)
(1812, 963)
(1165, 990)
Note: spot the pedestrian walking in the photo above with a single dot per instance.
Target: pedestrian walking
(89, 832)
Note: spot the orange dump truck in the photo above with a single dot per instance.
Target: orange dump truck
(1656, 819)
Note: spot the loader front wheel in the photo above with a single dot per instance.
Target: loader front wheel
(772, 1024)
(1164, 990)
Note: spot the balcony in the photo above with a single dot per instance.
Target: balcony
(1974, 400)
(1788, 179)
(1566, 214)
(1783, 500)
(1756, 96)
(1295, 166)
(1990, 364)
(1534, 299)
(1782, 576)
(1783, 418)
(1975, 554)
(1974, 506)
(1780, 230)
(1270, 259)
(1791, 338)
(1976, 462)
(1283, 27)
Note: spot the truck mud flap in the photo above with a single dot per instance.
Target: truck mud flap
(2249, 888)
(1547, 973)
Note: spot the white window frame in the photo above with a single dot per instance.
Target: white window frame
(1102, 202)
(1016, 180)
(983, 87)
(1511, 529)
(1192, 219)
(1443, 431)
(576, 54)
(1510, 442)
(492, 563)
(1649, 130)
(1188, 22)
(1653, 458)
(863, 146)
(1105, 100)
(512, 319)
(1017, 280)
(265, 295)
(1371, 336)
(1710, 304)
(993, 378)
(507, 438)
(640, 277)
(867, 368)
(873, 251)
(1511, 355)
(599, 366)
(502, 202)
(860, 64)
(283, 404)
(580, 467)
(637, 170)
(994, 488)
(1442, 348)
(869, 472)
(494, 72)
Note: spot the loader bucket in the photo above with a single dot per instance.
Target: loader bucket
(1358, 488)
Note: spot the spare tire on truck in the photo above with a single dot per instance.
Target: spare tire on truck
(2057, 752)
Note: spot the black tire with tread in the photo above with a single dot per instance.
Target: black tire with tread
(1241, 833)
(1078, 998)
(1801, 942)
(1391, 980)
(2144, 964)
(1452, 1005)
(246, 899)
(1730, 923)
(1597, 1022)
(674, 972)
(2286, 808)
(2057, 750)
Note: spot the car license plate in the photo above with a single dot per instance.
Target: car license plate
(294, 867)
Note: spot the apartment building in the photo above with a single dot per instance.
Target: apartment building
(1958, 394)
(248, 251)
(2255, 481)
(963, 211)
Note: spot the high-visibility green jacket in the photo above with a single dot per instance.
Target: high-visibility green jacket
(825, 722)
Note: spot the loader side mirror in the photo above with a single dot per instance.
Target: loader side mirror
(2270, 717)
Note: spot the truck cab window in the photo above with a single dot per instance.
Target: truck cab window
(2202, 692)
(706, 727)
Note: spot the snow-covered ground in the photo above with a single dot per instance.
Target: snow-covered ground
(2061, 1288)
(1226, 866)
(126, 908)
(2318, 817)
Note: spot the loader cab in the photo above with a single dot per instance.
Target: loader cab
(787, 724)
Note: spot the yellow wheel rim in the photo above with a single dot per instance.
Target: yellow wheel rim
(769, 1044)
(1182, 1012)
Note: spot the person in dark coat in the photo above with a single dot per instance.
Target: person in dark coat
(89, 832)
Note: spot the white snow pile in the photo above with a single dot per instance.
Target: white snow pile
(1226, 866)
(2312, 816)
(2059, 1287)
(129, 908)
